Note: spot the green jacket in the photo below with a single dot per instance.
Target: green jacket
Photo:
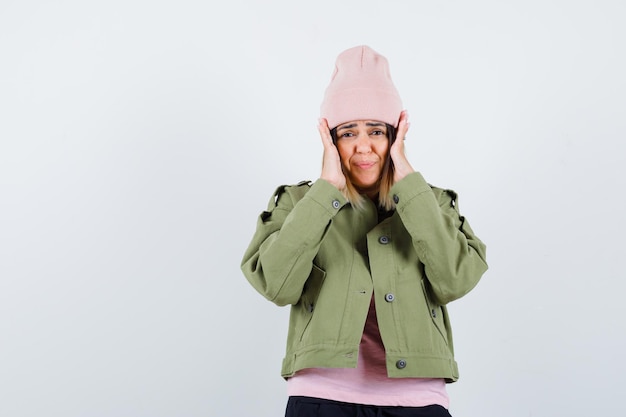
(312, 250)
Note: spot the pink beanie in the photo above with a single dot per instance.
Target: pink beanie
(361, 89)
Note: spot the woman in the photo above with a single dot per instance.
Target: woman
(367, 256)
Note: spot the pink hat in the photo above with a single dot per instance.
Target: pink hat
(361, 89)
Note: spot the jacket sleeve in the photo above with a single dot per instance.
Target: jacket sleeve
(454, 258)
(288, 235)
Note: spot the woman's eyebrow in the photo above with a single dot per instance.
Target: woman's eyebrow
(350, 126)
(369, 124)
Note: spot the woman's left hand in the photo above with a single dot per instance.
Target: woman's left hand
(400, 162)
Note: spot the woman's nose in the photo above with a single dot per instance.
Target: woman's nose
(363, 144)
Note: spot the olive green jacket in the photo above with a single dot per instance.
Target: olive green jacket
(313, 250)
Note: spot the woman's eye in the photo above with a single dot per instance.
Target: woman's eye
(378, 132)
(347, 135)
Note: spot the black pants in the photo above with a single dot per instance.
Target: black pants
(316, 407)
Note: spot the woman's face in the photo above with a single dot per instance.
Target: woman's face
(363, 146)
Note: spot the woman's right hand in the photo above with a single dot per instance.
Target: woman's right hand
(331, 162)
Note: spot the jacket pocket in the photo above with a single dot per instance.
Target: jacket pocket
(437, 313)
(310, 294)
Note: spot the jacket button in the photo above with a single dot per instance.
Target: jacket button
(383, 240)
(336, 204)
(396, 199)
(389, 297)
(401, 364)
(433, 312)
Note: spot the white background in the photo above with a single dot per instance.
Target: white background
(140, 139)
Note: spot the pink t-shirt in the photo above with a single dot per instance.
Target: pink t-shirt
(368, 382)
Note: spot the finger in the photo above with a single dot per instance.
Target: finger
(403, 125)
(322, 127)
(398, 144)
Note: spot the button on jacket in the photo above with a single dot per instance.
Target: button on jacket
(312, 250)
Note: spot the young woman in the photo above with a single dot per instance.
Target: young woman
(368, 256)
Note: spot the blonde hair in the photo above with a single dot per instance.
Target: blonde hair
(385, 201)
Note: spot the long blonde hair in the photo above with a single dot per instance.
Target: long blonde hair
(385, 201)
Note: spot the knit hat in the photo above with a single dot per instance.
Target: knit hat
(361, 89)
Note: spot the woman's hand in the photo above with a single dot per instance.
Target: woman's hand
(402, 167)
(331, 162)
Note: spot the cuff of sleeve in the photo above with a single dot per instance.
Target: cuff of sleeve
(408, 188)
(326, 195)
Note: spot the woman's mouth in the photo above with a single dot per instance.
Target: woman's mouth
(364, 164)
